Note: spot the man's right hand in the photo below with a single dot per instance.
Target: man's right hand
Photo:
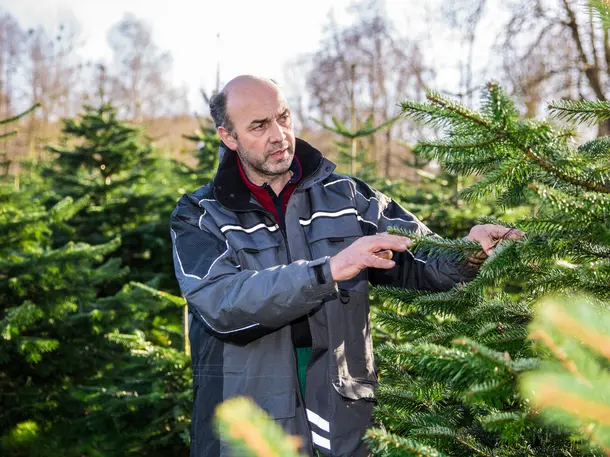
(373, 251)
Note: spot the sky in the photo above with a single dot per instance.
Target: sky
(256, 37)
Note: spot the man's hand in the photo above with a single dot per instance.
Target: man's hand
(489, 236)
(373, 251)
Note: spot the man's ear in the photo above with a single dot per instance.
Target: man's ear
(227, 138)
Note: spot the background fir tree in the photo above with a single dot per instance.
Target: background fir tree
(452, 385)
(86, 371)
(353, 156)
(78, 375)
(132, 191)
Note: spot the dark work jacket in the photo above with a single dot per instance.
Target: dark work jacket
(245, 280)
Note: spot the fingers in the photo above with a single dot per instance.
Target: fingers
(381, 247)
(373, 261)
(489, 235)
(386, 254)
(476, 260)
(386, 241)
(513, 234)
(374, 251)
(487, 243)
(501, 232)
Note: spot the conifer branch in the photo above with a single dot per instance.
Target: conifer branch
(166, 296)
(20, 115)
(497, 358)
(251, 431)
(553, 395)
(572, 328)
(405, 400)
(435, 245)
(466, 440)
(459, 109)
(559, 174)
(450, 145)
(404, 323)
(601, 8)
(8, 134)
(582, 111)
(599, 148)
(395, 446)
(569, 365)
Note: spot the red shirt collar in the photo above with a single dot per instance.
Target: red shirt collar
(295, 167)
(262, 193)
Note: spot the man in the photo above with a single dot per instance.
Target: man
(274, 258)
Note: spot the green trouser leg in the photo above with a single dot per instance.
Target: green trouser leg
(303, 356)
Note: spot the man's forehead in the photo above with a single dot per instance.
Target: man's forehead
(255, 102)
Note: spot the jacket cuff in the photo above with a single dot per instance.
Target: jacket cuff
(467, 271)
(322, 278)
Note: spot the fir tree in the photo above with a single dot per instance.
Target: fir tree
(77, 377)
(433, 196)
(45, 295)
(451, 385)
(92, 363)
(132, 191)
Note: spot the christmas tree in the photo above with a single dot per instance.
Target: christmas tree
(77, 377)
(45, 296)
(352, 155)
(450, 385)
(132, 191)
(92, 362)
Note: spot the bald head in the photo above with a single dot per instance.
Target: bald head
(248, 83)
(243, 88)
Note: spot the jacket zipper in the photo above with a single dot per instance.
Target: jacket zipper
(312, 448)
(295, 369)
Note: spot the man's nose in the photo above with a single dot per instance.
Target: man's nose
(276, 133)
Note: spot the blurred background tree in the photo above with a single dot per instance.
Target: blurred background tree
(571, 387)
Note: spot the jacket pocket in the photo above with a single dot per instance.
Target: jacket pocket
(279, 406)
(328, 237)
(355, 388)
(256, 252)
(266, 385)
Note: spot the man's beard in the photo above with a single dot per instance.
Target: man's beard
(264, 166)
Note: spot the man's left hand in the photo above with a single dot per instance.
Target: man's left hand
(489, 236)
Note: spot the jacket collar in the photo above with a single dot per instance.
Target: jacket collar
(232, 192)
(265, 189)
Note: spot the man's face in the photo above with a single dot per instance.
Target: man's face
(263, 130)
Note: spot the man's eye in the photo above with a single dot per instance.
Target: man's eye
(259, 127)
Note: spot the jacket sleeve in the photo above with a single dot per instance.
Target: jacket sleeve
(238, 305)
(415, 271)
